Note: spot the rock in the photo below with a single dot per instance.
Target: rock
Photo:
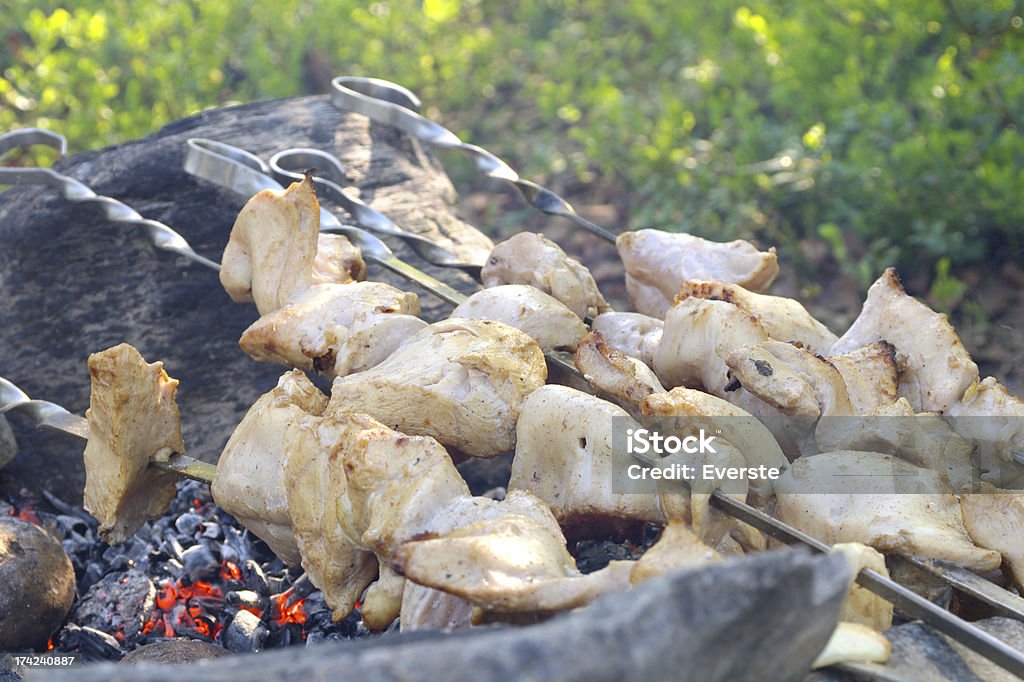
(922, 654)
(761, 618)
(8, 446)
(246, 633)
(174, 651)
(122, 601)
(37, 585)
(75, 283)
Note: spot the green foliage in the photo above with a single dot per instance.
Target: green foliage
(887, 129)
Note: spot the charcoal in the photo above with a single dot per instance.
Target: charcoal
(97, 645)
(211, 530)
(9, 676)
(72, 524)
(245, 634)
(188, 524)
(255, 579)
(119, 602)
(37, 585)
(764, 617)
(247, 598)
(200, 563)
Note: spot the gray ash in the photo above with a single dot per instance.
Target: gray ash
(195, 572)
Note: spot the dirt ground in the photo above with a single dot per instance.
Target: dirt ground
(989, 316)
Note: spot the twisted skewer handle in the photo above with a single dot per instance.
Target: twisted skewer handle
(160, 235)
(391, 104)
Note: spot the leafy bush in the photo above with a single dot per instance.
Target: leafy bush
(887, 130)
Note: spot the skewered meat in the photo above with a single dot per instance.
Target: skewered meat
(273, 246)
(831, 497)
(541, 317)
(336, 329)
(935, 368)
(992, 419)
(133, 420)
(565, 455)
(676, 548)
(620, 378)
(694, 410)
(870, 375)
(424, 608)
(699, 334)
(632, 334)
(530, 258)
(514, 562)
(995, 520)
(355, 491)
(853, 643)
(791, 379)
(249, 483)
(862, 605)
(923, 439)
(784, 319)
(460, 381)
(657, 263)
(337, 260)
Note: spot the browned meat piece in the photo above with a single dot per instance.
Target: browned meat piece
(530, 258)
(935, 368)
(249, 483)
(699, 335)
(784, 319)
(543, 318)
(924, 520)
(460, 381)
(632, 334)
(620, 378)
(133, 420)
(870, 375)
(657, 263)
(336, 329)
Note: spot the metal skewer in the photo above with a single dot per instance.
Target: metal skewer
(240, 171)
(389, 103)
(246, 174)
(52, 416)
(161, 235)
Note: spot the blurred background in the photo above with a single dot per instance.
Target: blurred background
(852, 135)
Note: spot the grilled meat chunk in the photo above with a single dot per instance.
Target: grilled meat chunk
(699, 335)
(657, 263)
(870, 375)
(831, 497)
(336, 329)
(133, 420)
(460, 381)
(995, 520)
(541, 317)
(784, 319)
(620, 378)
(632, 334)
(271, 254)
(935, 368)
(249, 483)
(530, 258)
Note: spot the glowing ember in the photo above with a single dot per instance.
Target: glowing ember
(24, 512)
(285, 614)
(184, 608)
(230, 571)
